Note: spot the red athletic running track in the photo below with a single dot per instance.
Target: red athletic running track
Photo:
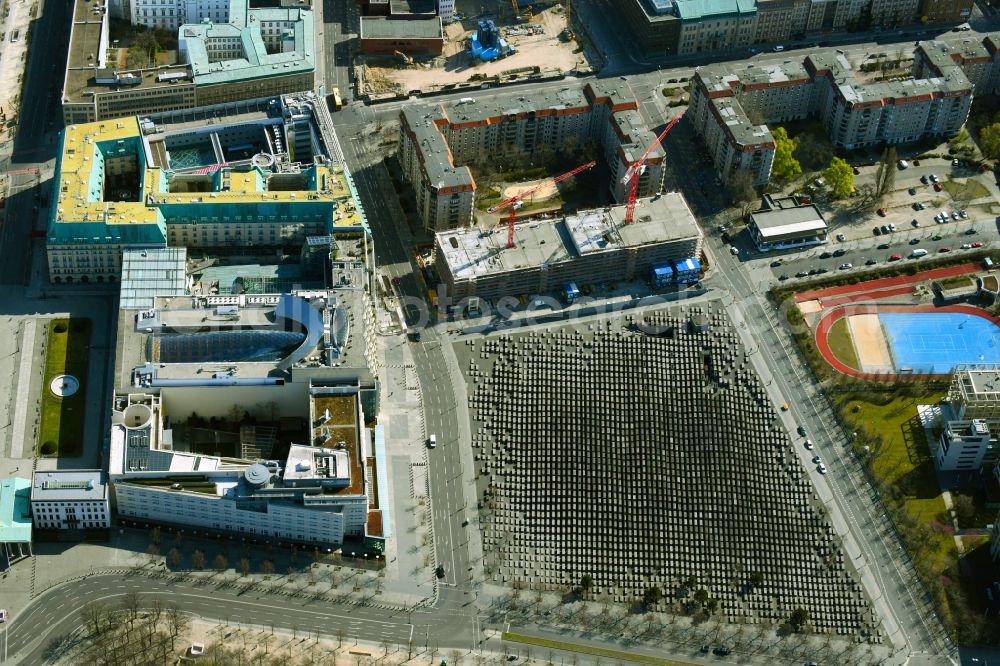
(886, 283)
(836, 314)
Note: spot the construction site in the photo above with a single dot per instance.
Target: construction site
(503, 42)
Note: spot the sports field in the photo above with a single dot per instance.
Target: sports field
(937, 342)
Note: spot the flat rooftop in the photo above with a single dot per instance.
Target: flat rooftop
(784, 221)
(983, 381)
(385, 27)
(69, 485)
(15, 510)
(426, 121)
(321, 464)
(473, 252)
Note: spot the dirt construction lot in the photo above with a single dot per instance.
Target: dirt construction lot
(544, 50)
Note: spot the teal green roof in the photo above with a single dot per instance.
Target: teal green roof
(693, 10)
(244, 27)
(15, 510)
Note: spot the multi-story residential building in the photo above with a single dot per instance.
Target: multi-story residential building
(124, 184)
(671, 27)
(972, 417)
(945, 11)
(979, 62)
(436, 141)
(256, 53)
(729, 108)
(70, 500)
(171, 14)
(587, 247)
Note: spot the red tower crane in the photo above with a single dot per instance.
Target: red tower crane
(631, 177)
(515, 201)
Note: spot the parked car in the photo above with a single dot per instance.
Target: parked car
(856, 170)
(734, 251)
(825, 255)
(802, 274)
(915, 222)
(841, 237)
(912, 190)
(933, 178)
(966, 246)
(871, 262)
(938, 187)
(881, 212)
(895, 257)
(783, 277)
(883, 246)
(944, 249)
(817, 460)
(845, 266)
(970, 232)
(821, 468)
(839, 253)
(801, 430)
(775, 264)
(914, 241)
(923, 179)
(809, 445)
(962, 214)
(977, 244)
(876, 231)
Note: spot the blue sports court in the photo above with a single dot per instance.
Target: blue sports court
(938, 341)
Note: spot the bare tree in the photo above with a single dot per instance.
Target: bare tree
(92, 616)
(221, 563)
(244, 566)
(130, 603)
(267, 567)
(198, 560)
(174, 558)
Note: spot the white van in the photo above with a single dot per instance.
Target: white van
(779, 48)
(903, 164)
(432, 441)
(919, 252)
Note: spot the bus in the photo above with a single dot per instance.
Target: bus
(337, 101)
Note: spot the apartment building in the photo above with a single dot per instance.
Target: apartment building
(438, 144)
(587, 247)
(70, 500)
(730, 109)
(972, 417)
(946, 11)
(123, 185)
(255, 53)
(979, 61)
(671, 27)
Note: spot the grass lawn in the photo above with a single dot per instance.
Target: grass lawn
(581, 648)
(902, 461)
(967, 191)
(67, 351)
(842, 345)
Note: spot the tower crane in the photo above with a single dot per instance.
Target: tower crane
(515, 202)
(631, 177)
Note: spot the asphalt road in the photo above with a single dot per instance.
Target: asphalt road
(882, 551)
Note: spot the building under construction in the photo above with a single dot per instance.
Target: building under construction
(436, 140)
(587, 247)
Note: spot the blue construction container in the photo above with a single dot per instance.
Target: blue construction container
(570, 292)
(687, 271)
(661, 275)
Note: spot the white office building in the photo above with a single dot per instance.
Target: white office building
(70, 500)
(172, 14)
